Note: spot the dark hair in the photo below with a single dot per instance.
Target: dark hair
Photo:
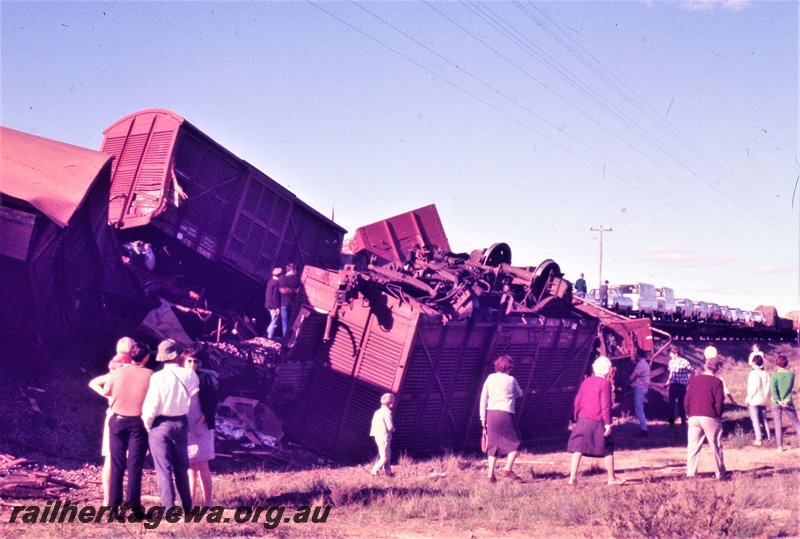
(780, 361)
(139, 351)
(758, 360)
(712, 365)
(675, 350)
(503, 364)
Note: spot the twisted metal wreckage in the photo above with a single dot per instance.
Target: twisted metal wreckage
(427, 325)
(201, 231)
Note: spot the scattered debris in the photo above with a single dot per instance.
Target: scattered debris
(18, 483)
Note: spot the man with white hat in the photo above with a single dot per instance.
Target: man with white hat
(164, 413)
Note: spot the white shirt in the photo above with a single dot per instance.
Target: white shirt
(499, 393)
(382, 426)
(170, 393)
(757, 388)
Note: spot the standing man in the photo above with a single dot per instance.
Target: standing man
(640, 381)
(781, 385)
(164, 414)
(604, 295)
(382, 429)
(580, 287)
(289, 286)
(272, 302)
(679, 372)
(704, 400)
(126, 388)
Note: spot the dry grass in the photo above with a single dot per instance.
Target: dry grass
(448, 496)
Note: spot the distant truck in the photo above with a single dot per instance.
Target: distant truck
(643, 296)
(666, 303)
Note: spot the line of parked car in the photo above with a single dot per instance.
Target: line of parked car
(646, 300)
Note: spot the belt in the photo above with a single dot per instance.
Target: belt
(171, 416)
(128, 416)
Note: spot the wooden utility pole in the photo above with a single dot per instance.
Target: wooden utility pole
(601, 230)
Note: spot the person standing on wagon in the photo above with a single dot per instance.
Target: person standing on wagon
(289, 286)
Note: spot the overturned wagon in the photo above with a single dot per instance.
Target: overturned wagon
(209, 215)
(370, 339)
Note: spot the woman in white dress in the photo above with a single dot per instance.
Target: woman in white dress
(202, 412)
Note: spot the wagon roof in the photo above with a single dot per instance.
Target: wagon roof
(52, 176)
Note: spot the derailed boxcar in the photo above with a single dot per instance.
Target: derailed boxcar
(170, 173)
(378, 342)
(392, 240)
(174, 186)
(58, 256)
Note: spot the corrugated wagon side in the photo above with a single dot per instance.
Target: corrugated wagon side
(171, 175)
(381, 344)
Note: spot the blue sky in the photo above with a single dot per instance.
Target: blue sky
(673, 123)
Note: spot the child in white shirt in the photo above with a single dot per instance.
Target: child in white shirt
(382, 429)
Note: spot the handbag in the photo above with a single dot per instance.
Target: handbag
(484, 441)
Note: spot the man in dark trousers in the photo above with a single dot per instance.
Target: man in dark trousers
(164, 413)
(126, 388)
(272, 301)
(289, 286)
(680, 371)
(580, 287)
(604, 295)
(704, 399)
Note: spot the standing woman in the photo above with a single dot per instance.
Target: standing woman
(591, 435)
(498, 397)
(758, 397)
(202, 413)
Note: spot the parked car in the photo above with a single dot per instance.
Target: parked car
(737, 316)
(643, 295)
(684, 309)
(726, 313)
(616, 300)
(714, 312)
(665, 298)
(759, 318)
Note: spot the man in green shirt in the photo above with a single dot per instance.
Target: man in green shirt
(780, 386)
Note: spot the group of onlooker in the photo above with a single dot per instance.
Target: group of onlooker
(279, 298)
(171, 412)
(697, 400)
